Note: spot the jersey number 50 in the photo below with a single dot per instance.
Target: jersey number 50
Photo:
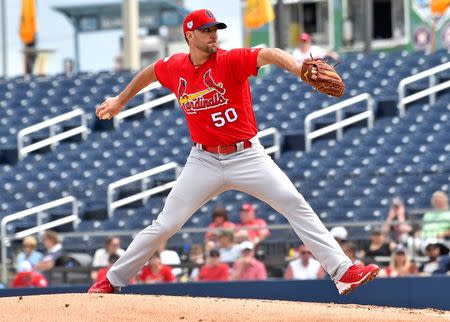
(220, 118)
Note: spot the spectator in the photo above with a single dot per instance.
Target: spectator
(170, 257)
(54, 250)
(219, 221)
(256, 228)
(196, 257)
(377, 246)
(433, 252)
(397, 213)
(155, 272)
(247, 267)
(102, 272)
(340, 234)
(350, 251)
(436, 224)
(305, 267)
(29, 253)
(305, 50)
(27, 277)
(214, 270)
(400, 264)
(229, 251)
(101, 255)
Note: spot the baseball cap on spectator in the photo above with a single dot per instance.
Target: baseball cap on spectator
(248, 207)
(339, 232)
(400, 249)
(246, 245)
(201, 19)
(441, 244)
(304, 36)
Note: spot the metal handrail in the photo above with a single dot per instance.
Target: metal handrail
(145, 193)
(340, 121)
(38, 211)
(145, 107)
(431, 91)
(276, 147)
(53, 138)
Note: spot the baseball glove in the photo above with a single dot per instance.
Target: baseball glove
(327, 80)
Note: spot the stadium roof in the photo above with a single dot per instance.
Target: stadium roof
(108, 16)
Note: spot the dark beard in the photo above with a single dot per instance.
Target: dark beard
(207, 49)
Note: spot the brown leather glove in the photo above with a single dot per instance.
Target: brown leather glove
(327, 80)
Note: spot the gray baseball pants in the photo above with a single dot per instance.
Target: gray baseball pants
(206, 175)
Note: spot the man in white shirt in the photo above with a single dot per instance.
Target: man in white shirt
(305, 50)
(112, 246)
(305, 267)
(229, 251)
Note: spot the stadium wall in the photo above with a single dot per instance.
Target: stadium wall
(417, 292)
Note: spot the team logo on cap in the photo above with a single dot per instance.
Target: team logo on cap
(209, 14)
(211, 97)
(190, 24)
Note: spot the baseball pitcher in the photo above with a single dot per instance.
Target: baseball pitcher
(213, 90)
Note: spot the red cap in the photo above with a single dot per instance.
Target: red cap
(304, 37)
(201, 19)
(248, 207)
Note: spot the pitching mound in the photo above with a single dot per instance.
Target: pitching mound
(89, 307)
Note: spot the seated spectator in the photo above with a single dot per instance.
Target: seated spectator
(27, 277)
(54, 250)
(436, 224)
(377, 246)
(101, 255)
(101, 274)
(214, 270)
(305, 267)
(219, 222)
(247, 267)
(400, 264)
(443, 266)
(155, 272)
(170, 257)
(229, 251)
(433, 252)
(397, 213)
(256, 228)
(196, 257)
(350, 250)
(29, 253)
(340, 234)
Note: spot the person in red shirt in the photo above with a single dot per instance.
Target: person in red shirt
(256, 228)
(247, 267)
(219, 222)
(26, 277)
(155, 272)
(214, 270)
(212, 88)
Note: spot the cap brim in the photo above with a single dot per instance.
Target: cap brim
(219, 25)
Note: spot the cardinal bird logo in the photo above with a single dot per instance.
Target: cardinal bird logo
(198, 101)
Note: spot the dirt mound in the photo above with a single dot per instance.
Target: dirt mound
(108, 307)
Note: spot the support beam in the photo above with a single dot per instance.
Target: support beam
(130, 19)
(4, 40)
(368, 25)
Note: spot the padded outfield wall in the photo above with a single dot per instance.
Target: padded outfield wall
(414, 292)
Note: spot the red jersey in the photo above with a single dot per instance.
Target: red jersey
(215, 96)
(214, 229)
(164, 275)
(214, 273)
(29, 279)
